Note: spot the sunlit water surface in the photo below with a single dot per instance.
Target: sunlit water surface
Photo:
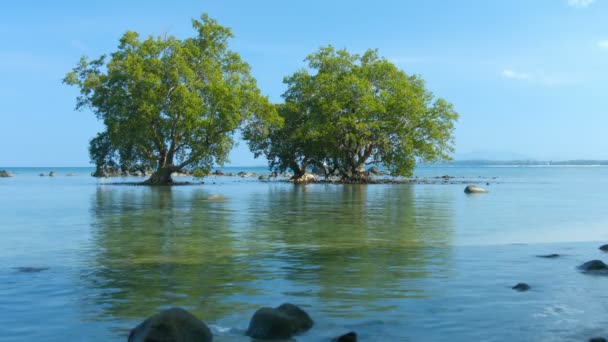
(391, 262)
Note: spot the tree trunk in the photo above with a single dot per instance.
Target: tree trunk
(356, 174)
(161, 176)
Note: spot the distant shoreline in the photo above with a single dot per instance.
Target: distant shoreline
(468, 162)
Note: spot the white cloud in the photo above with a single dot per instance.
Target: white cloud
(603, 44)
(543, 78)
(580, 3)
(516, 75)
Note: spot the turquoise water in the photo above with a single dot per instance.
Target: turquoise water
(393, 262)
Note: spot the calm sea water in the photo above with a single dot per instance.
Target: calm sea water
(392, 262)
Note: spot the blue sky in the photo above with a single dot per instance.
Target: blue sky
(527, 77)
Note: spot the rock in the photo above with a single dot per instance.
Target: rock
(29, 269)
(274, 174)
(604, 248)
(282, 322)
(348, 337)
(593, 265)
(474, 189)
(374, 171)
(218, 172)
(106, 172)
(42, 175)
(306, 178)
(597, 339)
(263, 177)
(172, 325)
(521, 287)
(4, 173)
(548, 256)
(52, 174)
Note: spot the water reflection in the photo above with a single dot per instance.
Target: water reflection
(344, 250)
(158, 247)
(352, 246)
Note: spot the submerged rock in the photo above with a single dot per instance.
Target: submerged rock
(172, 325)
(348, 337)
(29, 269)
(604, 248)
(597, 339)
(281, 322)
(593, 265)
(521, 287)
(4, 174)
(548, 256)
(474, 189)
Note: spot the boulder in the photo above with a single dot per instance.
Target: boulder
(474, 189)
(593, 265)
(42, 175)
(281, 322)
(218, 172)
(348, 337)
(172, 325)
(604, 248)
(52, 174)
(548, 256)
(263, 177)
(597, 339)
(521, 287)
(306, 178)
(4, 173)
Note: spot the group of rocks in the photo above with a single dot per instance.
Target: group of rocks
(178, 325)
(597, 267)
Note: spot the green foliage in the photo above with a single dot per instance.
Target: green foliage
(347, 111)
(169, 103)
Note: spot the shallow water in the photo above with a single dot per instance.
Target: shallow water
(392, 262)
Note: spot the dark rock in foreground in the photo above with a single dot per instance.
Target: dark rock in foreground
(348, 337)
(593, 265)
(521, 287)
(28, 269)
(597, 339)
(172, 325)
(4, 173)
(474, 189)
(282, 322)
(548, 256)
(604, 248)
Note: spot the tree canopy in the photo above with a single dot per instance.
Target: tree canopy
(346, 111)
(169, 103)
